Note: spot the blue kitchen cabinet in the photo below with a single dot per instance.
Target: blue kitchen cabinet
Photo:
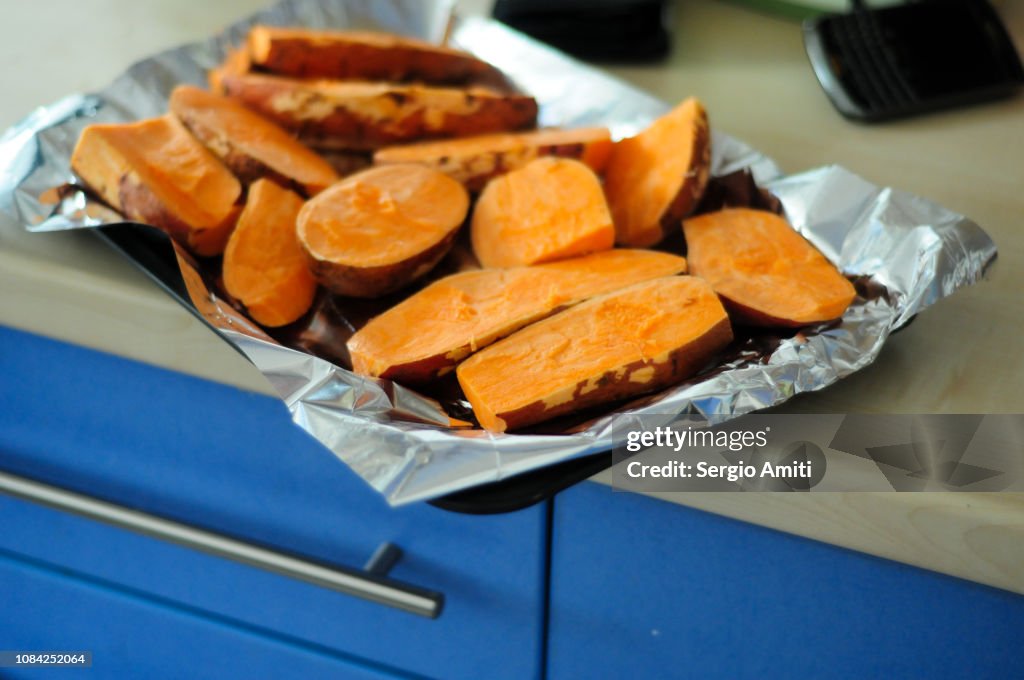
(134, 636)
(594, 584)
(643, 588)
(232, 462)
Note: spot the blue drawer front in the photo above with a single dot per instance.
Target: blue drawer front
(230, 461)
(132, 637)
(643, 588)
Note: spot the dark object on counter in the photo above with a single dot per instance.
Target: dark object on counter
(522, 491)
(597, 30)
(893, 62)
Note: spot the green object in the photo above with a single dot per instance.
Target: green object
(796, 9)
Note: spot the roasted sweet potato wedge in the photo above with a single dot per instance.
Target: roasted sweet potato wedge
(767, 273)
(250, 145)
(329, 114)
(635, 340)
(359, 55)
(380, 229)
(476, 160)
(265, 267)
(236, 63)
(549, 209)
(428, 333)
(657, 177)
(155, 172)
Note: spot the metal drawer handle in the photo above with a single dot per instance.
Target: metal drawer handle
(370, 583)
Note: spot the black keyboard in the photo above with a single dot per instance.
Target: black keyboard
(906, 59)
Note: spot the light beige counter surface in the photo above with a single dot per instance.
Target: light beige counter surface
(966, 355)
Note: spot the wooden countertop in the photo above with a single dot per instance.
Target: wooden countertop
(965, 355)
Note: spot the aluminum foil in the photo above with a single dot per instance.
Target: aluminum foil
(904, 252)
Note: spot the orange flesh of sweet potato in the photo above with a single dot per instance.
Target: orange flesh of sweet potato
(236, 63)
(550, 209)
(155, 172)
(475, 160)
(428, 333)
(264, 265)
(364, 55)
(250, 145)
(768, 274)
(334, 114)
(657, 177)
(618, 345)
(381, 228)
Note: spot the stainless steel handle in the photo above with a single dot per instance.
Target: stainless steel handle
(371, 583)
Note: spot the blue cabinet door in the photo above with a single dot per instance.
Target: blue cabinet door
(642, 588)
(232, 462)
(130, 636)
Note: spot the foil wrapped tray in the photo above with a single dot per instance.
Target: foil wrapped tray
(903, 252)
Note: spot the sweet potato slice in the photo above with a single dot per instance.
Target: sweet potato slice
(265, 267)
(359, 55)
(635, 340)
(657, 177)
(767, 273)
(550, 209)
(155, 172)
(250, 145)
(476, 160)
(382, 228)
(428, 333)
(236, 63)
(330, 114)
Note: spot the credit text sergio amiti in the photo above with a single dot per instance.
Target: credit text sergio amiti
(735, 440)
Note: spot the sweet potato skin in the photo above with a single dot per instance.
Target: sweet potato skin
(696, 182)
(619, 269)
(422, 371)
(617, 381)
(192, 196)
(475, 161)
(139, 203)
(217, 121)
(743, 315)
(367, 116)
(372, 282)
(345, 163)
(361, 55)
